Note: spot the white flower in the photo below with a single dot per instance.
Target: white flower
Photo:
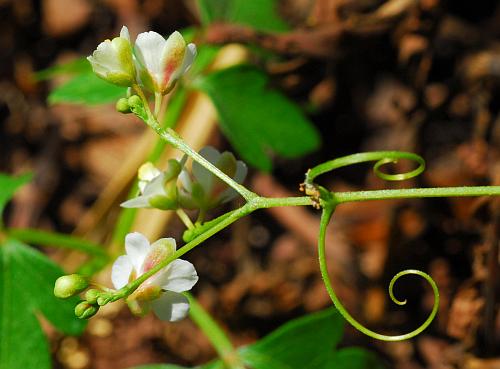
(157, 189)
(203, 189)
(113, 60)
(162, 62)
(162, 291)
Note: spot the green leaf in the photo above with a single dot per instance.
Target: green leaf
(77, 66)
(86, 89)
(259, 14)
(26, 291)
(354, 358)
(8, 186)
(258, 120)
(306, 342)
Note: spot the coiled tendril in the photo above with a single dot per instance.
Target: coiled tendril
(381, 158)
(327, 202)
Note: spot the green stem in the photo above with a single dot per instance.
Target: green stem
(170, 136)
(158, 101)
(176, 141)
(234, 216)
(184, 218)
(35, 236)
(249, 207)
(342, 197)
(214, 333)
(328, 209)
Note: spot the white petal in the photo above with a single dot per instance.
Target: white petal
(239, 176)
(168, 243)
(136, 202)
(155, 187)
(147, 172)
(185, 180)
(137, 247)
(188, 57)
(149, 48)
(125, 34)
(179, 276)
(171, 306)
(98, 68)
(107, 56)
(142, 185)
(241, 171)
(158, 251)
(203, 175)
(121, 270)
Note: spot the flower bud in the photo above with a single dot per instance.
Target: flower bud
(92, 295)
(134, 101)
(158, 189)
(113, 60)
(70, 285)
(162, 62)
(103, 299)
(136, 106)
(122, 106)
(84, 310)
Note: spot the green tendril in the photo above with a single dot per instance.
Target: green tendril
(325, 220)
(381, 158)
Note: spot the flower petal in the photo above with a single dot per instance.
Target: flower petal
(137, 247)
(158, 251)
(104, 59)
(147, 172)
(185, 180)
(172, 58)
(155, 187)
(149, 49)
(121, 270)
(179, 276)
(137, 202)
(203, 176)
(189, 57)
(241, 171)
(171, 306)
(125, 34)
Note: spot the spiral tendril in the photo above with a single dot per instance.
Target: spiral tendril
(381, 158)
(325, 220)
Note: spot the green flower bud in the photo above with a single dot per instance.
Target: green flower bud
(136, 106)
(134, 101)
(122, 106)
(103, 299)
(92, 295)
(70, 285)
(84, 310)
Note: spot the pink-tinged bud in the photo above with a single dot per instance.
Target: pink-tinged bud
(162, 62)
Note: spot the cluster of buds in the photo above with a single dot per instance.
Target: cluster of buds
(71, 285)
(152, 63)
(162, 292)
(176, 187)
